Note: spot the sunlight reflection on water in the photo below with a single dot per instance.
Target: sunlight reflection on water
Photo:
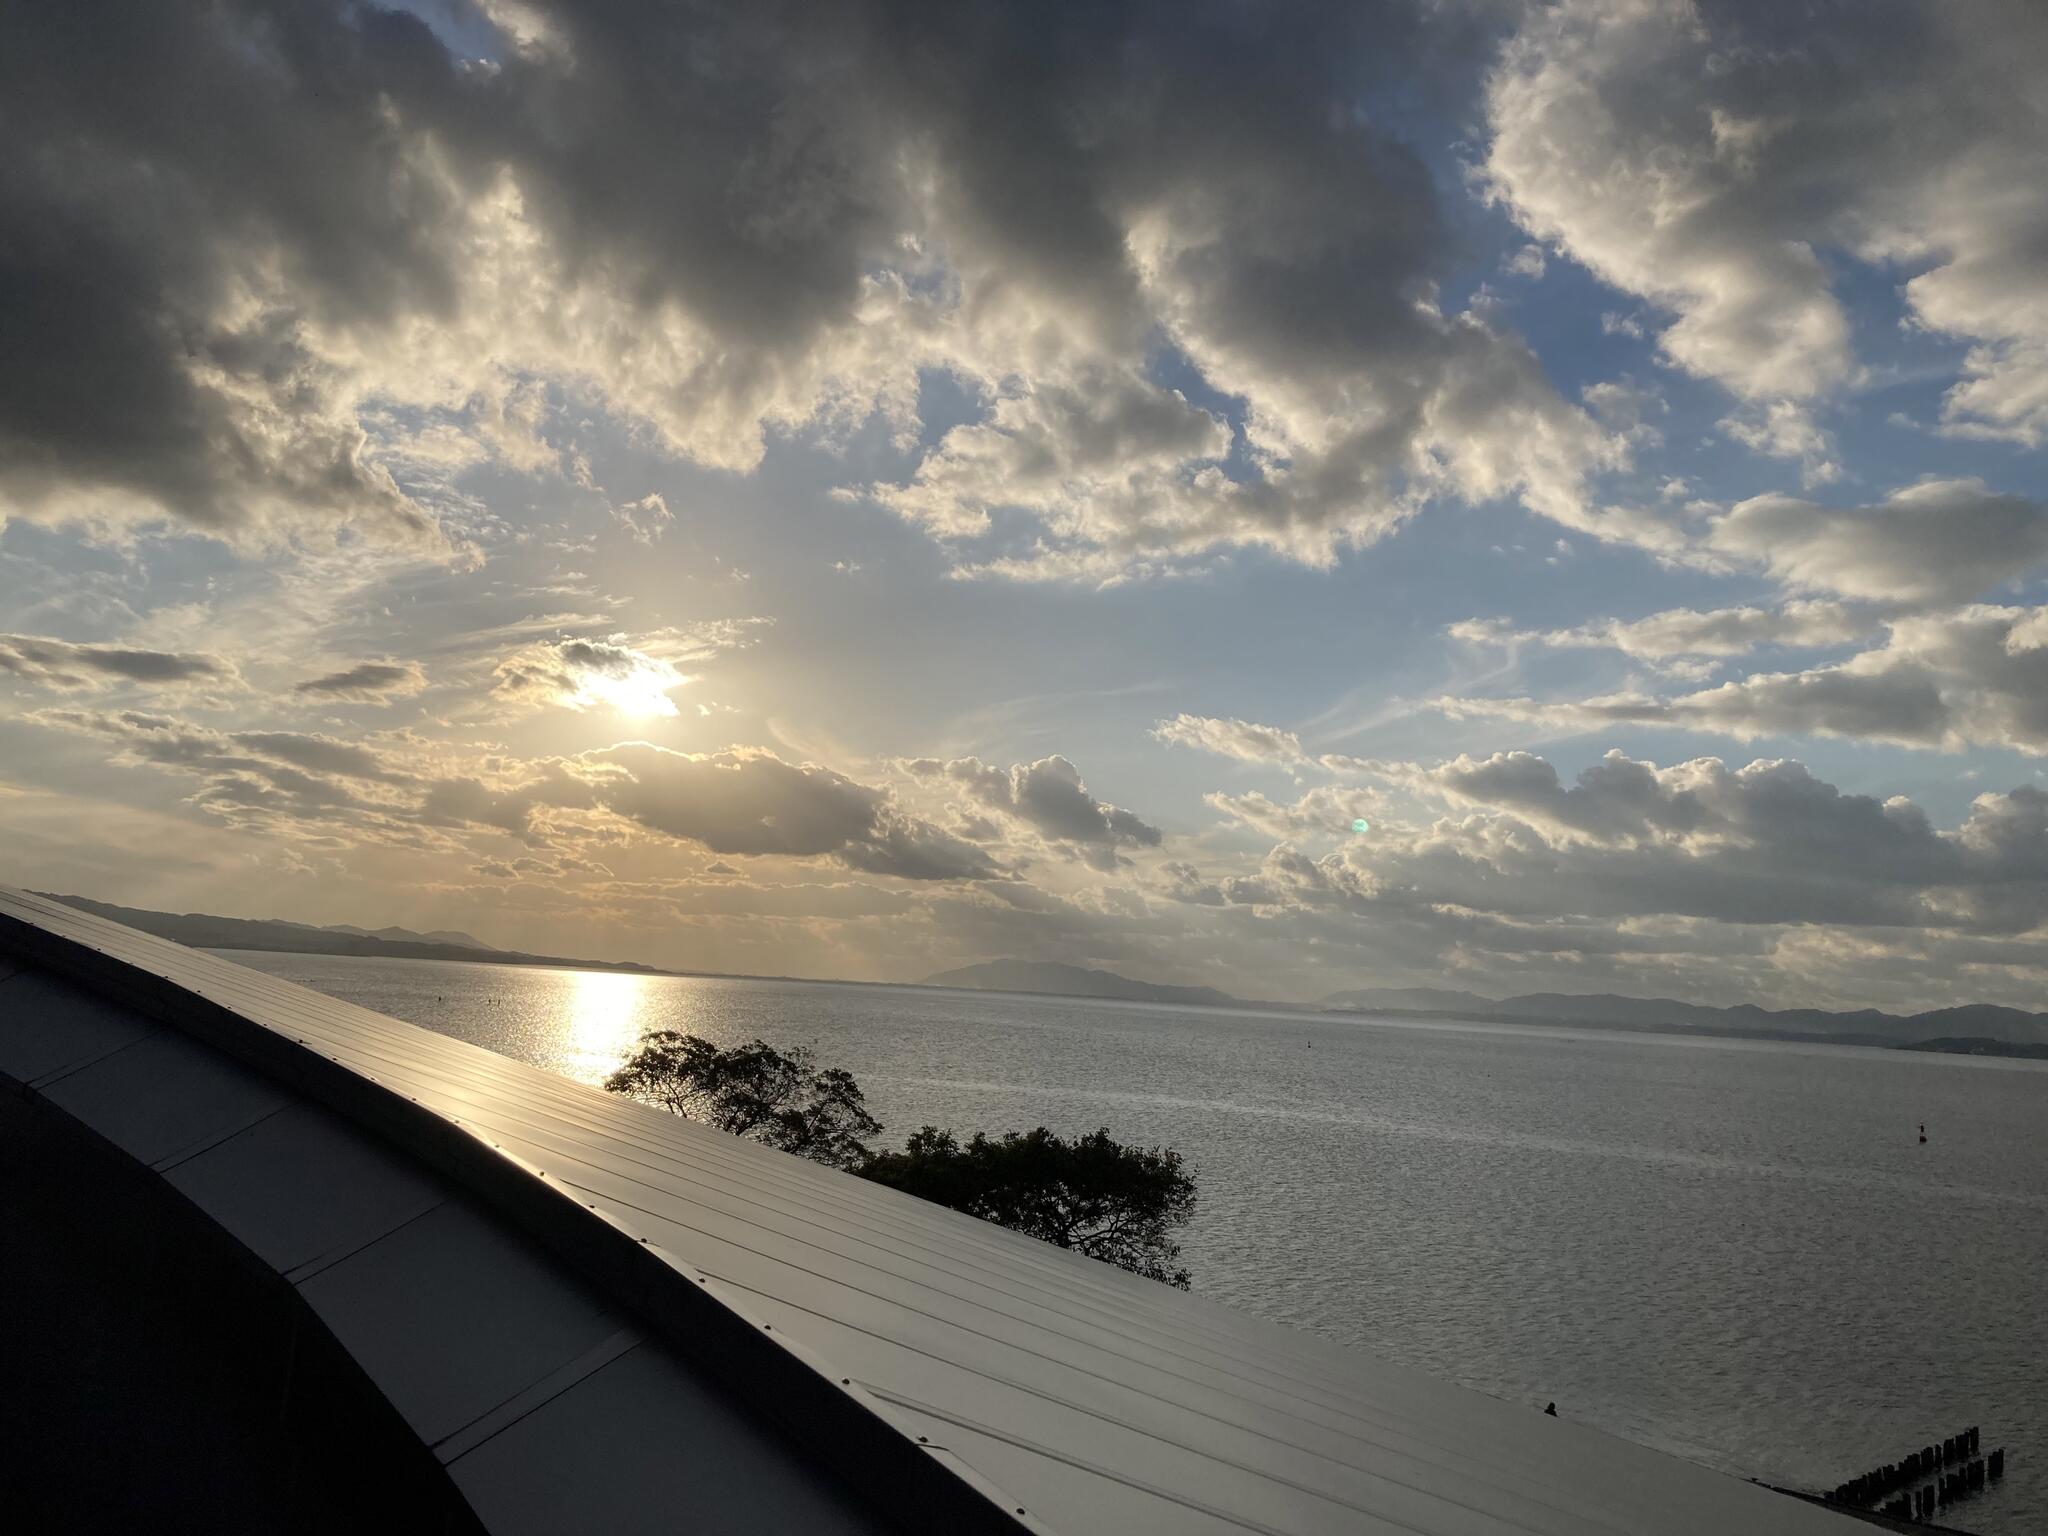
(605, 1013)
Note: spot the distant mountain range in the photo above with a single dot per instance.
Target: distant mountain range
(1071, 981)
(1977, 1022)
(402, 935)
(1972, 1029)
(203, 930)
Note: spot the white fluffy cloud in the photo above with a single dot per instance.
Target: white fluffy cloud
(1049, 798)
(1328, 810)
(1784, 429)
(376, 263)
(1239, 739)
(1941, 541)
(1975, 677)
(1640, 877)
(1709, 160)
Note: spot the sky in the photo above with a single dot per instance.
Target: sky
(1288, 498)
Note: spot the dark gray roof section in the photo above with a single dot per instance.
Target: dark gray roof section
(544, 1278)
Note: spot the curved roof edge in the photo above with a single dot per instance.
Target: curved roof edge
(253, 1020)
(938, 1364)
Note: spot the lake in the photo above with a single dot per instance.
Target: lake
(1738, 1251)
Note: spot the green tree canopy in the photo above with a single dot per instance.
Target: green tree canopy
(782, 1098)
(1115, 1203)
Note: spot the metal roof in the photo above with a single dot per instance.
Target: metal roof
(960, 1374)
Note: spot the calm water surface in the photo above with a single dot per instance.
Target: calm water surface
(1734, 1250)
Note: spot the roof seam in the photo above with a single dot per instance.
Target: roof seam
(533, 1397)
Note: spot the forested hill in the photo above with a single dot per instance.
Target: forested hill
(203, 930)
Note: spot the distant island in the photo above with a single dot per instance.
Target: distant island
(1971, 1046)
(202, 930)
(1971, 1029)
(1049, 976)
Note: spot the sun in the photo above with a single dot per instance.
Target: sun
(641, 694)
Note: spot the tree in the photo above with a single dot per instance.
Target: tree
(1115, 1203)
(780, 1098)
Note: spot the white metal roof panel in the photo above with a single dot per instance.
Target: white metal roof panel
(1095, 1400)
(302, 1188)
(452, 1317)
(164, 1098)
(61, 1028)
(642, 1447)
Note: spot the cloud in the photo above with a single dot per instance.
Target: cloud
(743, 801)
(320, 754)
(1941, 541)
(1702, 159)
(1239, 739)
(1974, 677)
(748, 801)
(1328, 810)
(646, 519)
(267, 781)
(77, 668)
(1639, 878)
(1048, 797)
(1688, 632)
(586, 674)
(1765, 843)
(1784, 429)
(164, 263)
(373, 263)
(367, 682)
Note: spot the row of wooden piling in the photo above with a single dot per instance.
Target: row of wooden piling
(1921, 1503)
(1970, 1472)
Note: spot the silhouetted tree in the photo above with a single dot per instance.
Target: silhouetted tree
(778, 1097)
(1115, 1203)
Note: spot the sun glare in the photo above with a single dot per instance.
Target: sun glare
(639, 695)
(603, 1016)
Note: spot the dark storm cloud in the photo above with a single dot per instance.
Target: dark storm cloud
(61, 664)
